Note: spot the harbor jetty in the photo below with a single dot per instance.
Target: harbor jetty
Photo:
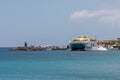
(36, 48)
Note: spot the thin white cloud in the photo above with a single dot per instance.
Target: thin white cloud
(105, 15)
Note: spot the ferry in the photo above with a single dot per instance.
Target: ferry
(84, 43)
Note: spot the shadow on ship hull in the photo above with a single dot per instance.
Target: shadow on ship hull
(77, 46)
(78, 49)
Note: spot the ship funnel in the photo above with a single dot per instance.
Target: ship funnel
(94, 38)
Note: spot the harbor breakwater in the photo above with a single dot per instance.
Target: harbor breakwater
(35, 48)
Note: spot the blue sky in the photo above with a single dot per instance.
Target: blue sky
(55, 22)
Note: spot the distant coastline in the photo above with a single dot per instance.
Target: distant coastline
(110, 44)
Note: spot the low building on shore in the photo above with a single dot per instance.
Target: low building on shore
(110, 44)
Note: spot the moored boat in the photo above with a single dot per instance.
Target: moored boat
(84, 43)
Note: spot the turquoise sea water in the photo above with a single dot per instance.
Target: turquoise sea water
(59, 65)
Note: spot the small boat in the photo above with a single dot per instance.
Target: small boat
(101, 48)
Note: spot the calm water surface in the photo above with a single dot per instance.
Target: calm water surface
(59, 65)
